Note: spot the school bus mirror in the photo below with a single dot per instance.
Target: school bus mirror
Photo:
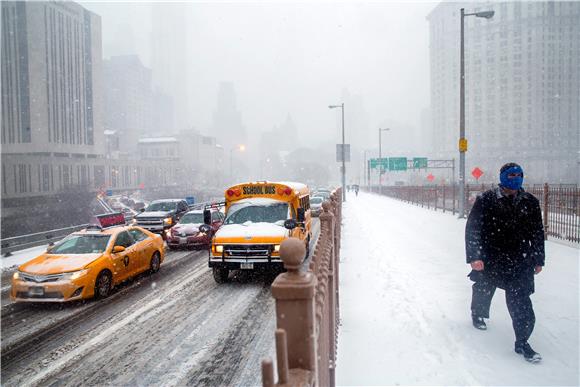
(290, 224)
(300, 215)
(204, 228)
(206, 216)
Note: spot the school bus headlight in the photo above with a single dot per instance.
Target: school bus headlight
(276, 248)
(219, 249)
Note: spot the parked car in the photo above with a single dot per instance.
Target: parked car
(186, 233)
(316, 205)
(325, 194)
(88, 263)
(161, 215)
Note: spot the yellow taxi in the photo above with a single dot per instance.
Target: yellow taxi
(89, 263)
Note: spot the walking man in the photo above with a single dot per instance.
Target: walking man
(504, 241)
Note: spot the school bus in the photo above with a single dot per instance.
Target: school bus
(259, 216)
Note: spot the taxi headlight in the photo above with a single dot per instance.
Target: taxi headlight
(219, 249)
(276, 248)
(168, 221)
(75, 274)
(16, 275)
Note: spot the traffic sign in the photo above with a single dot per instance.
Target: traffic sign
(477, 173)
(339, 152)
(109, 192)
(462, 145)
(374, 163)
(420, 162)
(397, 164)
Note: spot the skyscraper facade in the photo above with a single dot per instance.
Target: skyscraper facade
(128, 101)
(51, 96)
(522, 86)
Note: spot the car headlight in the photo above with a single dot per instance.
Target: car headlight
(134, 221)
(75, 274)
(276, 248)
(16, 275)
(201, 234)
(219, 249)
(168, 221)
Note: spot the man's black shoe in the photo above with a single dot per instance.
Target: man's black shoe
(479, 323)
(529, 354)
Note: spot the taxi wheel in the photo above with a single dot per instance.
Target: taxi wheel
(220, 275)
(103, 284)
(155, 263)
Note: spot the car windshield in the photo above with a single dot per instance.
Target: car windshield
(81, 244)
(246, 213)
(162, 206)
(316, 200)
(192, 218)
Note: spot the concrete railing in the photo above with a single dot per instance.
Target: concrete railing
(307, 307)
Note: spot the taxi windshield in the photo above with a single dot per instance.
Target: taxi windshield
(81, 244)
(192, 218)
(162, 206)
(245, 213)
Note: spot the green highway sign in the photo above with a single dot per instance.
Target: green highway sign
(374, 163)
(419, 162)
(397, 164)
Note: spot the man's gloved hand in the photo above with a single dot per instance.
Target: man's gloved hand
(477, 265)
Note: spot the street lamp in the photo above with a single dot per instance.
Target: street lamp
(367, 170)
(241, 148)
(381, 159)
(462, 140)
(341, 106)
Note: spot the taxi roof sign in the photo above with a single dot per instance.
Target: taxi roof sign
(110, 220)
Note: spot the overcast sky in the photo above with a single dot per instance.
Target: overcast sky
(292, 58)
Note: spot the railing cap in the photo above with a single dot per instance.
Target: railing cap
(292, 252)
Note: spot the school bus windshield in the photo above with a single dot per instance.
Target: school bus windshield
(246, 213)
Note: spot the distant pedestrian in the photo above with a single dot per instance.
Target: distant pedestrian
(356, 190)
(504, 241)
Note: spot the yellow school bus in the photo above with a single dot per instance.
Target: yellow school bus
(259, 216)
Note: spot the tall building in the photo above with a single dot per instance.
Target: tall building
(169, 60)
(51, 72)
(227, 119)
(51, 96)
(127, 100)
(522, 87)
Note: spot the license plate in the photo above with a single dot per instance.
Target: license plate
(182, 240)
(36, 291)
(246, 265)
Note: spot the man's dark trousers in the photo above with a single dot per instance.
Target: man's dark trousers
(518, 303)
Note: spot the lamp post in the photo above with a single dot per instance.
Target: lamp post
(241, 148)
(462, 140)
(381, 159)
(341, 106)
(367, 170)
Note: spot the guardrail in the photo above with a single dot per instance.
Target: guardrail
(307, 307)
(560, 203)
(9, 245)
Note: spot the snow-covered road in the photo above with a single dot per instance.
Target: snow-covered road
(405, 299)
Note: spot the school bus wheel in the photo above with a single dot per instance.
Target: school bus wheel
(220, 275)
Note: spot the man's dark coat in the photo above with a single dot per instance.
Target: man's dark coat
(507, 234)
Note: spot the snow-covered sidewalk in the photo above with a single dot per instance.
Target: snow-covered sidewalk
(405, 298)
